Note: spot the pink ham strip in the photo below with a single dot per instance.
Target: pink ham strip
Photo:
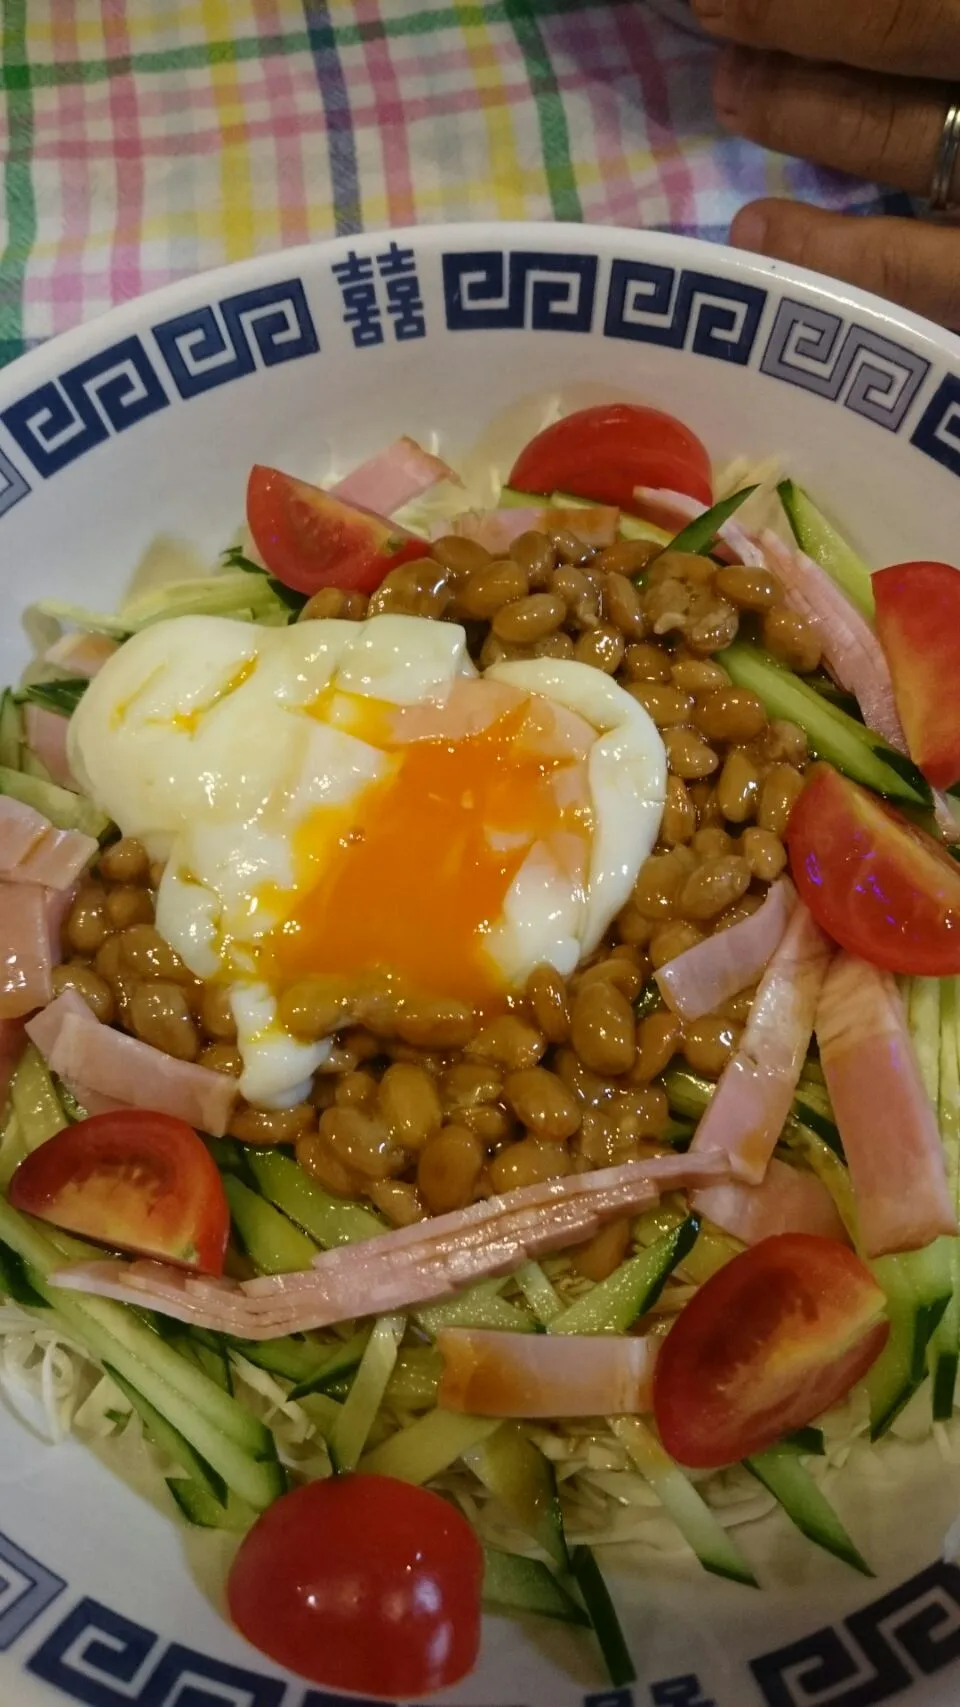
(82, 1051)
(851, 650)
(675, 510)
(57, 904)
(496, 530)
(394, 477)
(25, 960)
(56, 860)
(413, 1265)
(495, 1374)
(13, 1039)
(21, 828)
(698, 981)
(786, 1201)
(46, 735)
(752, 1100)
(889, 1130)
(80, 654)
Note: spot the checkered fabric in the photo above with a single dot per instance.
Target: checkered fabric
(142, 140)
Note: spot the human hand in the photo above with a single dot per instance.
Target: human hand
(862, 86)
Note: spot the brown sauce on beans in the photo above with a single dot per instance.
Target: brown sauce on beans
(427, 1106)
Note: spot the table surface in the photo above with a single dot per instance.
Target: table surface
(143, 140)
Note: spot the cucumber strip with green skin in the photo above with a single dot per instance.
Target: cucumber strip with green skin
(65, 810)
(62, 695)
(323, 1412)
(201, 1511)
(168, 1439)
(11, 731)
(945, 1348)
(349, 1436)
(806, 1505)
(698, 536)
(823, 1160)
(35, 1101)
(428, 1447)
(478, 1307)
(689, 1094)
(603, 1617)
(515, 1586)
(539, 1292)
(518, 1475)
(850, 746)
(917, 1287)
(649, 1000)
(15, 1282)
(820, 540)
(631, 1290)
(329, 1220)
(212, 1359)
(341, 1360)
(229, 1156)
(272, 1242)
(714, 1547)
(805, 1440)
(12, 1149)
(292, 1358)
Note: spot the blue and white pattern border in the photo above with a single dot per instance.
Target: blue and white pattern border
(102, 1658)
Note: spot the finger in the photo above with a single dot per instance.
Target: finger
(904, 260)
(914, 38)
(882, 128)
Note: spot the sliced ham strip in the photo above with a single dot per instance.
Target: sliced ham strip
(701, 979)
(786, 1201)
(56, 860)
(21, 828)
(674, 511)
(80, 654)
(57, 904)
(596, 525)
(493, 1374)
(889, 1129)
(409, 1266)
(25, 960)
(394, 477)
(82, 1051)
(850, 648)
(46, 735)
(752, 1100)
(13, 1041)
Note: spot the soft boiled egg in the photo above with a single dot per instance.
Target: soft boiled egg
(352, 802)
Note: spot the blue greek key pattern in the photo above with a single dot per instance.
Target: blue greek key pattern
(686, 310)
(13, 486)
(65, 418)
(524, 290)
(938, 431)
(212, 345)
(26, 1589)
(910, 1633)
(871, 375)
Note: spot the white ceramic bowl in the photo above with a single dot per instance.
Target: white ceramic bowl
(146, 422)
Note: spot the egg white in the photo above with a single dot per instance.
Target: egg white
(212, 741)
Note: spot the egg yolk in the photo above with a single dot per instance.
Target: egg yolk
(409, 881)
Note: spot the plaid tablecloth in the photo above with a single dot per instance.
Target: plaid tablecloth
(143, 140)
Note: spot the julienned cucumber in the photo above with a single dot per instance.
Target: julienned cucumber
(615, 1304)
(292, 1358)
(918, 1289)
(603, 1617)
(429, 1446)
(515, 1585)
(337, 1361)
(349, 1435)
(271, 1241)
(65, 810)
(169, 1439)
(714, 1547)
(699, 535)
(11, 731)
(35, 1101)
(522, 1479)
(200, 1509)
(821, 541)
(328, 1219)
(792, 1486)
(478, 1307)
(854, 749)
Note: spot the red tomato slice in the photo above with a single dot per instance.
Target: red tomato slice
(883, 889)
(768, 1344)
(362, 1583)
(134, 1180)
(308, 539)
(918, 624)
(605, 452)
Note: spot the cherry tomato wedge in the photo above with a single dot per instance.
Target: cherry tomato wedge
(362, 1583)
(134, 1180)
(309, 539)
(881, 887)
(605, 452)
(918, 626)
(768, 1343)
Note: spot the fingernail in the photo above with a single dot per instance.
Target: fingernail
(749, 229)
(731, 79)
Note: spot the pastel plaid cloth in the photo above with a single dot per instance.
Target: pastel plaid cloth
(147, 139)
